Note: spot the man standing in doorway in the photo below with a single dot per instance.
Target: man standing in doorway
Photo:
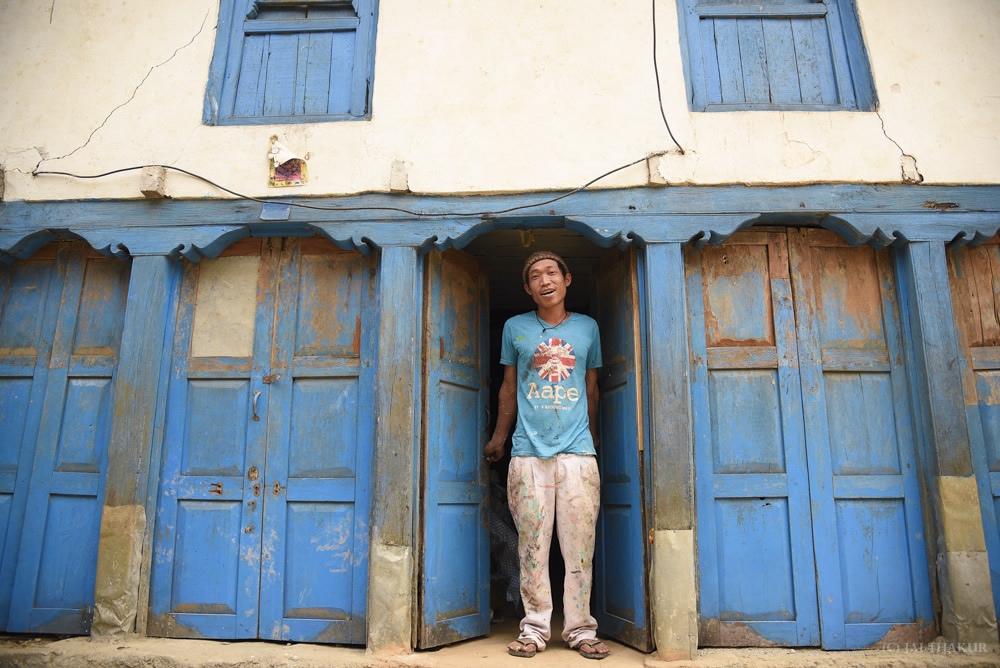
(550, 359)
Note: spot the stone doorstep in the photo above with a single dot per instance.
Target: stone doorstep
(137, 652)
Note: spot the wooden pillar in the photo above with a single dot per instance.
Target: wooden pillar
(674, 601)
(392, 554)
(967, 613)
(137, 404)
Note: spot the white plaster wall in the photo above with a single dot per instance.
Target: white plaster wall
(484, 96)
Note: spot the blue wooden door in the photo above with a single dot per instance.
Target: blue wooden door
(262, 518)
(975, 290)
(755, 555)
(454, 595)
(871, 557)
(808, 504)
(60, 328)
(319, 432)
(621, 605)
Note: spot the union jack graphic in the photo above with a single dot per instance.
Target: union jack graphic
(554, 360)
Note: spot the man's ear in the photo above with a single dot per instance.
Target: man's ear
(569, 278)
(527, 289)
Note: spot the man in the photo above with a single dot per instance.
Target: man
(550, 359)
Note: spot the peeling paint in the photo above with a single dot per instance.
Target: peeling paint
(901, 635)
(167, 626)
(716, 633)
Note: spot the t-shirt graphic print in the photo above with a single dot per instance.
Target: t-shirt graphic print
(554, 360)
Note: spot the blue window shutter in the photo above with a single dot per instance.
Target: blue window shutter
(780, 54)
(280, 64)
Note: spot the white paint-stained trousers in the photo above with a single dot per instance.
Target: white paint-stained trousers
(565, 490)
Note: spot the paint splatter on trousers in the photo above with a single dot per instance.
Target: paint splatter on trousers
(565, 491)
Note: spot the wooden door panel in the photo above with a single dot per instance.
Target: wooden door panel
(262, 525)
(454, 593)
(754, 544)
(747, 430)
(872, 570)
(205, 575)
(204, 544)
(27, 323)
(315, 545)
(215, 429)
(621, 604)
(51, 591)
(862, 429)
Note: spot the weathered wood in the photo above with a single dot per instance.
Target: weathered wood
(37, 310)
(395, 395)
(192, 243)
(753, 499)
(933, 203)
(65, 487)
(136, 393)
(397, 409)
(669, 442)
(621, 601)
(455, 579)
(935, 357)
(860, 444)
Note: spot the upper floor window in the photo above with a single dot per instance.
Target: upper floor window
(291, 61)
(775, 54)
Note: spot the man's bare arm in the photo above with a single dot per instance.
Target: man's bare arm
(506, 412)
(593, 396)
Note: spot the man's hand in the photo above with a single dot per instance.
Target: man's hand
(506, 413)
(494, 450)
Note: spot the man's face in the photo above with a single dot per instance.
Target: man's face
(546, 283)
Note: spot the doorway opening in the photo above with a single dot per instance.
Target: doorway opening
(469, 294)
(502, 254)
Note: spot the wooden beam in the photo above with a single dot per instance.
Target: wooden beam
(670, 444)
(393, 546)
(935, 357)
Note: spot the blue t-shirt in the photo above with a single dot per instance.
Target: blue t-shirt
(552, 365)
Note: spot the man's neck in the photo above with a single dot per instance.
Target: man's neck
(552, 315)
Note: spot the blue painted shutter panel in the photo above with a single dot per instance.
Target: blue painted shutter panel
(975, 288)
(27, 325)
(800, 54)
(848, 536)
(871, 557)
(315, 548)
(454, 597)
(292, 64)
(53, 589)
(205, 576)
(754, 544)
(621, 604)
(262, 522)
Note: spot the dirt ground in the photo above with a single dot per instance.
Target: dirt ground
(135, 652)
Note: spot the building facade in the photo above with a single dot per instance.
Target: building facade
(255, 256)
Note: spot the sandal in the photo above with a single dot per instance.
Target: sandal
(593, 646)
(522, 648)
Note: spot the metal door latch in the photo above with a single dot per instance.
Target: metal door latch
(256, 396)
(270, 378)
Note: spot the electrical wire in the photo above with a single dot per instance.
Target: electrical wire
(302, 205)
(659, 93)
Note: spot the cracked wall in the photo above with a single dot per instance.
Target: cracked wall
(95, 86)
